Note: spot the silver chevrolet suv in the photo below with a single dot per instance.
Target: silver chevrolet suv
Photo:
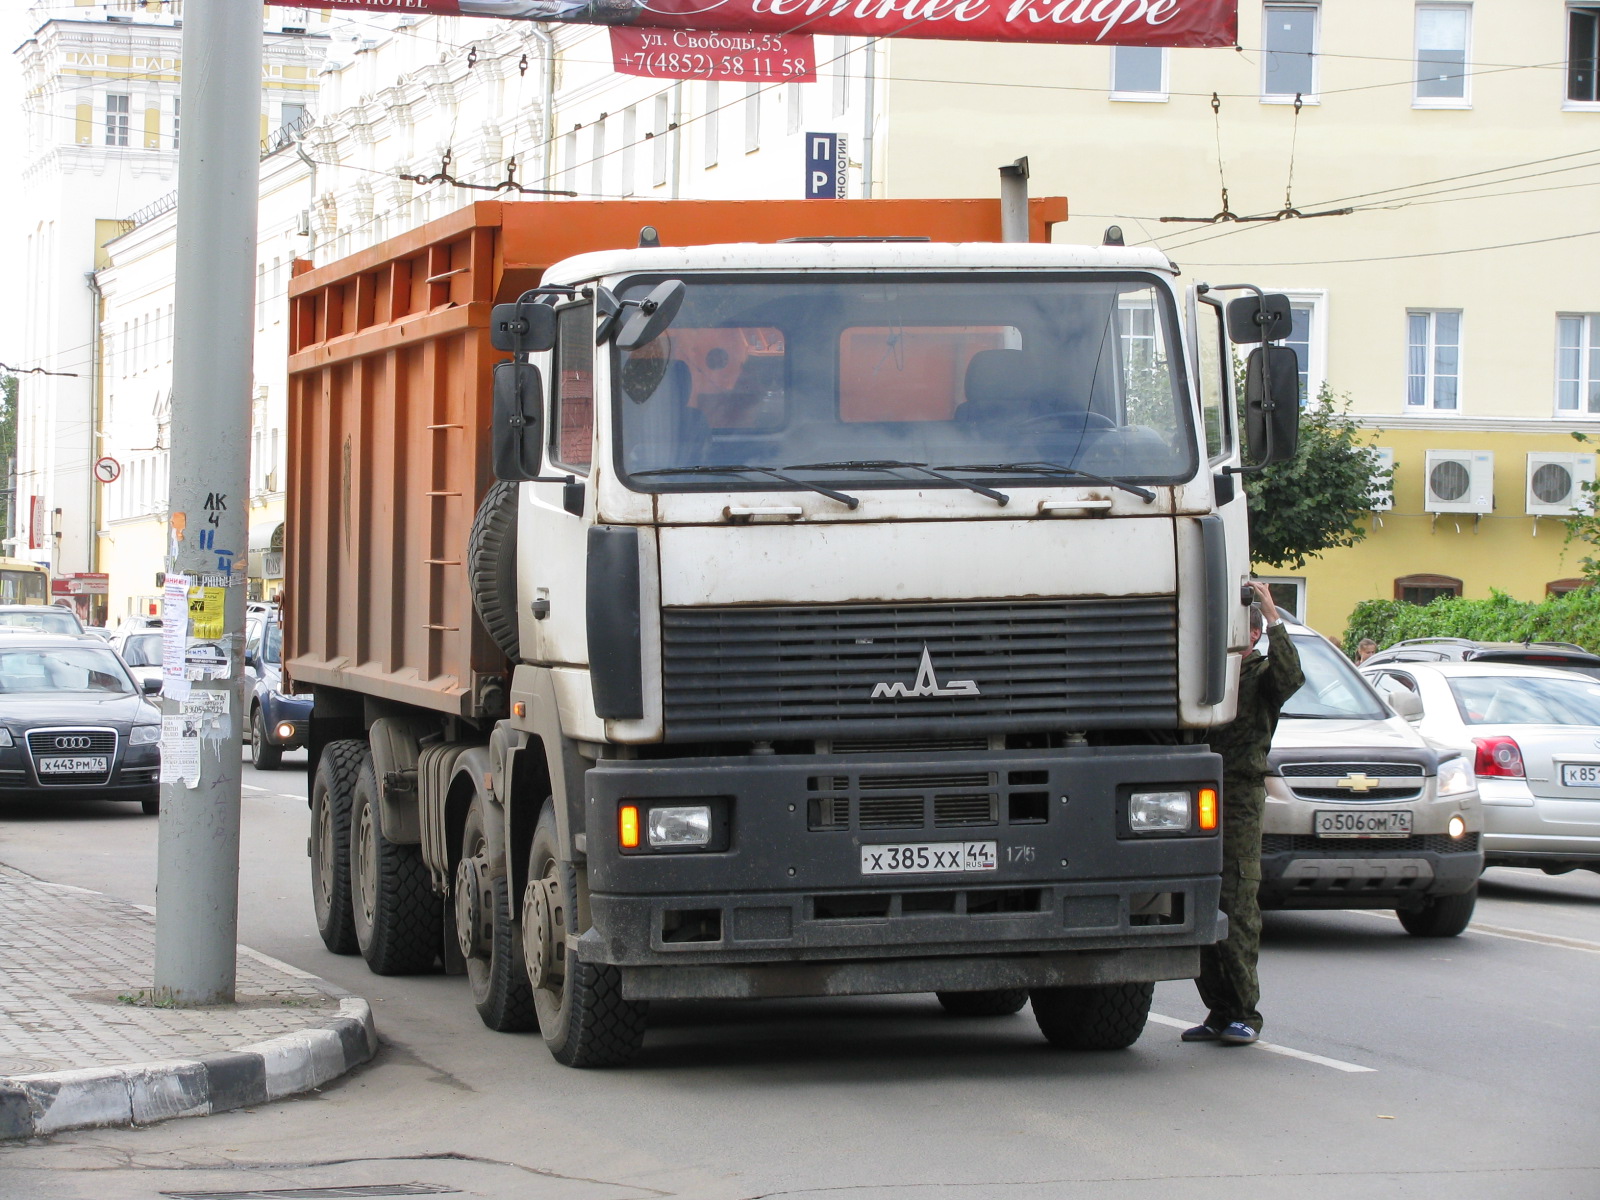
(1362, 811)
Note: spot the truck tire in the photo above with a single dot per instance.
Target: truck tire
(582, 1014)
(492, 563)
(1108, 1016)
(396, 914)
(329, 844)
(997, 1002)
(264, 756)
(489, 941)
(1441, 916)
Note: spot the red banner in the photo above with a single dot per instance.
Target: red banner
(1094, 22)
(698, 54)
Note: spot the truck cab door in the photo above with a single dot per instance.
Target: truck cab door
(552, 524)
(1214, 377)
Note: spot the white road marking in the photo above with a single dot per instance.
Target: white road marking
(250, 787)
(1274, 1048)
(1503, 931)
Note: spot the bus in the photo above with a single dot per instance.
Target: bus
(23, 582)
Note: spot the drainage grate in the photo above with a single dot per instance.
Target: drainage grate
(322, 1193)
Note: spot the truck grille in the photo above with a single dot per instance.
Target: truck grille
(876, 670)
(927, 799)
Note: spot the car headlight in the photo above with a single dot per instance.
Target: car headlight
(1159, 812)
(1455, 777)
(144, 735)
(5, 737)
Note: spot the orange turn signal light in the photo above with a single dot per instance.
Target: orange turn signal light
(1208, 808)
(628, 826)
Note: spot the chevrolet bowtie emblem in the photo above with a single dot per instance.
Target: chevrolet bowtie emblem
(1358, 783)
(927, 684)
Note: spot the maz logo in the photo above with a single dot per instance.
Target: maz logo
(926, 685)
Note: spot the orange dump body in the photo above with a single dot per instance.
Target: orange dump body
(389, 406)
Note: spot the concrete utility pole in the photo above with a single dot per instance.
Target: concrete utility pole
(197, 881)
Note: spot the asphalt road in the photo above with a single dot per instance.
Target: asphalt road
(1461, 1068)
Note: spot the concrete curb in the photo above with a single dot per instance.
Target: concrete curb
(144, 1093)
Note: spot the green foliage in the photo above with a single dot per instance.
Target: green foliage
(1574, 618)
(1584, 525)
(1318, 499)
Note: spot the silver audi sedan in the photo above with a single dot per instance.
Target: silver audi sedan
(1534, 735)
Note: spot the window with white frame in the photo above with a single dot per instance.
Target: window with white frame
(1288, 593)
(177, 120)
(1443, 37)
(1578, 364)
(659, 155)
(630, 134)
(569, 161)
(1138, 73)
(1583, 55)
(795, 105)
(118, 115)
(841, 75)
(1308, 338)
(752, 117)
(1289, 39)
(597, 156)
(711, 126)
(1433, 360)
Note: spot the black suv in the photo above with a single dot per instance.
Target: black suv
(1562, 656)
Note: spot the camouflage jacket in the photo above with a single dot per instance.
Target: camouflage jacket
(1265, 683)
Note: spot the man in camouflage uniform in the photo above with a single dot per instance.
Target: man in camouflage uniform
(1228, 982)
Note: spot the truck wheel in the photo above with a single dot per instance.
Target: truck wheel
(396, 913)
(264, 756)
(1108, 1016)
(489, 942)
(997, 1002)
(1442, 916)
(331, 789)
(492, 562)
(582, 1014)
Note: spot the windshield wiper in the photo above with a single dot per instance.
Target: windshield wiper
(891, 464)
(1050, 468)
(848, 501)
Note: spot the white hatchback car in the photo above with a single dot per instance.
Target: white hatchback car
(1534, 734)
(1362, 812)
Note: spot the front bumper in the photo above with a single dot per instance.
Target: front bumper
(1300, 871)
(277, 709)
(789, 888)
(135, 775)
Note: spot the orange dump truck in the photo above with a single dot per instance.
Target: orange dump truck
(745, 599)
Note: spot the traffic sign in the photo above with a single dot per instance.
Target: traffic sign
(107, 470)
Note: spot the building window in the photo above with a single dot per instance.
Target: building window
(796, 106)
(1138, 73)
(597, 157)
(569, 161)
(1289, 66)
(1425, 589)
(1433, 361)
(177, 121)
(659, 157)
(1288, 593)
(1583, 54)
(1308, 338)
(841, 75)
(630, 134)
(711, 129)
(752, 117)
(1560, 587)
(118, 116)
(1578, 364)
(1442, 39)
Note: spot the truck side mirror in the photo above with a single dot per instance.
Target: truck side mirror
(518, 433)
(1253, 319)
(522, 328)
(1272, 404)
(652, 316)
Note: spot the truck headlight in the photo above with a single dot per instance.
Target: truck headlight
(1159, 812)
(679, 826)
(144, 735)
(1456, 777)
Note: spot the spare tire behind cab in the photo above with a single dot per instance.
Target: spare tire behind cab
(492, 566)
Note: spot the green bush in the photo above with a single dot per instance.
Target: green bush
(1574, 618)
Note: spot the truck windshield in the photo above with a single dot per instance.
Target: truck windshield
(861, 382)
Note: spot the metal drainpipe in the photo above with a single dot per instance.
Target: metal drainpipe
(869, 101)
(547, 41)
(1014, 201)
(97, 423)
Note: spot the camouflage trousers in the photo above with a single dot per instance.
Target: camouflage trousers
(1228, 982)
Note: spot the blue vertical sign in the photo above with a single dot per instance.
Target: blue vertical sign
(827, 166)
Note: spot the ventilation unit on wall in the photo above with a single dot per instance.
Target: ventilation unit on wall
(1555, 482)
(1459, 481)
(1380, 497)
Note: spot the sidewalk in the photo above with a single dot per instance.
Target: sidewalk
(81, 1046)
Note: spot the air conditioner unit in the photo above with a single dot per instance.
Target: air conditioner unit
(1380, 496)
(1555, 482)
(1459, 481)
